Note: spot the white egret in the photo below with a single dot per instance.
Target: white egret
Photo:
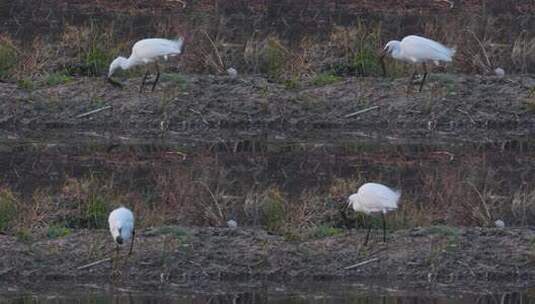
(147, 51)
(415, 49)
(122, 228)
(372, 198)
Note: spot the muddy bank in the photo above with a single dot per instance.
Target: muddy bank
(175, 257)
(208, 106)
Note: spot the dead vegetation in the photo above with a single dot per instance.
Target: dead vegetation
(174, 257)
(217, 39)
(210, 188)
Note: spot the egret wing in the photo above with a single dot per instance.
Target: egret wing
(422, 49)
(376, 197)
(150, 49)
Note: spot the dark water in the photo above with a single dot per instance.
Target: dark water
(262, 297)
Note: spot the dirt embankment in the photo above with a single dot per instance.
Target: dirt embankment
(178, 257)
(209, 105)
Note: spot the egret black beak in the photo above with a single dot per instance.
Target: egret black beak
(119, 240)
(115, 83)
(382, 60)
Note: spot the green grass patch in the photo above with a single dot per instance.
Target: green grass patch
(26, 84)
(94, 212)
(325, 79)
(57, 231)
(96, 60)
(273, 59)
(23, 235)
(175, 231)
(176, 79)
(292, 83)
(57, 78)
(8, 58)
(8, 209)
(444, 230)
(325, 230)
(273, 211)
(529, 104)
(366, 62)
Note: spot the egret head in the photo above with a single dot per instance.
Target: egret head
(391, 48)
(119, 62)
(119, 240)
(116, 235)
(353, 202)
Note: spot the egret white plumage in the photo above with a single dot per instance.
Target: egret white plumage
(147, 51)
(122, 228)
(373, 198)
(415, 49)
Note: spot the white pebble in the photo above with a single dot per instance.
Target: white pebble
(232, 73)
(499, 224)
(232, 224)
(499, 72)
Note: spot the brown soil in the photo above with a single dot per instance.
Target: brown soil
(193, 258)
(474, 107)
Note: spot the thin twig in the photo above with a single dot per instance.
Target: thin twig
(362, 263)
(467, 114)
(93, 112)
(362, 111)
(449, 154)
(482, 48)
(483, 202)
(213, 198)
(221, 65)
(200, 114)
(469, 268)
(94, 264)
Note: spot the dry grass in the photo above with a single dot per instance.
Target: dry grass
(481, 41)
(523, 206)
(205, 193)
(523, 52)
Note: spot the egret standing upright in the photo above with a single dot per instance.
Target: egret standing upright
(415, 49)
(122, 228)
(372, 198)
(146, 51)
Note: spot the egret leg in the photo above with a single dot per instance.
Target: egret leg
(412, 79)
(413, 76)
(368, 234)
(425, 76)
(157, 77)
(132, 243)
(115, 262)
(384, 227)
(143, 81)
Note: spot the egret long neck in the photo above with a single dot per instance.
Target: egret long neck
(396, 52)
(129, 63)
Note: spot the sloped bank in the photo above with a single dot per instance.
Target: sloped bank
(472, 107)
(193, 258)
